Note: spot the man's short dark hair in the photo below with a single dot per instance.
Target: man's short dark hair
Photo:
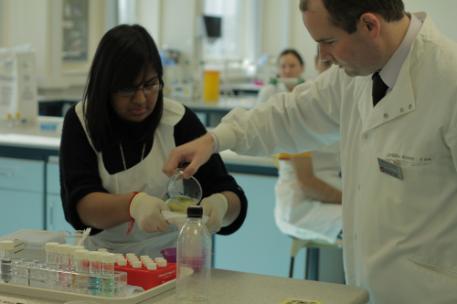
(346, 13)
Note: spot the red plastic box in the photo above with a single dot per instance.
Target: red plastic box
(148, 278)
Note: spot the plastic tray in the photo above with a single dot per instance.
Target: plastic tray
(64, 296)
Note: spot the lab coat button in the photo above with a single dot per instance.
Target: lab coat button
(386, 115)
(410, 106)
(365, 136)
(402, 110)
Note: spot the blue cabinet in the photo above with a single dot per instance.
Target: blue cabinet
(21, 192)
(55, 219)
(258, 246)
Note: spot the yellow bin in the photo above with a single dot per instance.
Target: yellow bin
(211, 86)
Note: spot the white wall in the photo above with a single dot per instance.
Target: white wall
(172, 24)
(178, 26)
(442, 13)
(39, 24)
(282, 28)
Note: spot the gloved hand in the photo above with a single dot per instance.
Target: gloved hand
(214, 206)
(146, 210)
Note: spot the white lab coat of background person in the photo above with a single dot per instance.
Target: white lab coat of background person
(298, 215)
(400, 235)
(277, 85)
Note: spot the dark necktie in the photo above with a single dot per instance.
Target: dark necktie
(379, 88)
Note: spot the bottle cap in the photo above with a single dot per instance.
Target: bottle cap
(194, 212)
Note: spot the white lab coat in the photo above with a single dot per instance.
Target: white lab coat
(269, 90)
(145, 176)
(400, 235)
(298, 215)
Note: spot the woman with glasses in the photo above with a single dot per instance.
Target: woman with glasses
(114, 143)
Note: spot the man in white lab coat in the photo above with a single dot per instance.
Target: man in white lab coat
(398, 143)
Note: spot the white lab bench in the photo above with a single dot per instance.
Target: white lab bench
(230, 287)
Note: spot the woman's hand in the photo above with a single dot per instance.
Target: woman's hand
(146, 210)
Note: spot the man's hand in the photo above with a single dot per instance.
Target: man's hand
(195, 153)
(147, 212)
(215, 207)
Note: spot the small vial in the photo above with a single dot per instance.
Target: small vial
(161, 262)
(131, 258)
(64, 261)
(135, 264)
(145, 258)
(95, 271)
(6, 256)
(150, 265)
(51, 257)
(120, 260)
(82, 265)
(108, 282)
(130, 255)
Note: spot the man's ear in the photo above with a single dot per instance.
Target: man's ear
(371, 23)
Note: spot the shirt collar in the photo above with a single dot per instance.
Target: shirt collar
(390, 71)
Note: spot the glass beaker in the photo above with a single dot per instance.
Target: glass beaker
(183, 192)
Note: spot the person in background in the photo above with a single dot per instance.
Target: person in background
(308, 191)
(390, 98)
(115, 142)
(291, 67)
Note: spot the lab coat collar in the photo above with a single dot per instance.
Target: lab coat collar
(398, 102)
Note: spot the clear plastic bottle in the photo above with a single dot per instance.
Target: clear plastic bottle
(193, 260)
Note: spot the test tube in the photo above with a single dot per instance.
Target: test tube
(6, 252)
(51, 258)
(108, 282)
(95, 272)
(82, 265)
(64, 267)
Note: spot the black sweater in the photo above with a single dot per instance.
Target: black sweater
(79, 174)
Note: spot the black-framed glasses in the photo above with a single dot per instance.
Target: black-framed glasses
(147, 88)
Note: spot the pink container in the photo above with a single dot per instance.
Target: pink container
(169, 254)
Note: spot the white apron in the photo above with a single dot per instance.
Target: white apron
(145, 176)
(304, 218)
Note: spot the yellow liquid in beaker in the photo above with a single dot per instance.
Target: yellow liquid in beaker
(180, 203)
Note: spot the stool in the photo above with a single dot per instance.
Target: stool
(312, 255)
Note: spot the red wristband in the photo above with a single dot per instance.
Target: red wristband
(132, 220)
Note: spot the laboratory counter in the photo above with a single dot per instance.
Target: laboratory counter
(41, 141)
(210, 113)
(229, 287)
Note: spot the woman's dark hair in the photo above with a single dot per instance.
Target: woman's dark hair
(124, 53)
(346, 13)
(294, 53)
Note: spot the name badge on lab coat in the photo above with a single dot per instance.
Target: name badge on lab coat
(390, 168)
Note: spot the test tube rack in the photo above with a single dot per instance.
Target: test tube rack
(148, 279)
